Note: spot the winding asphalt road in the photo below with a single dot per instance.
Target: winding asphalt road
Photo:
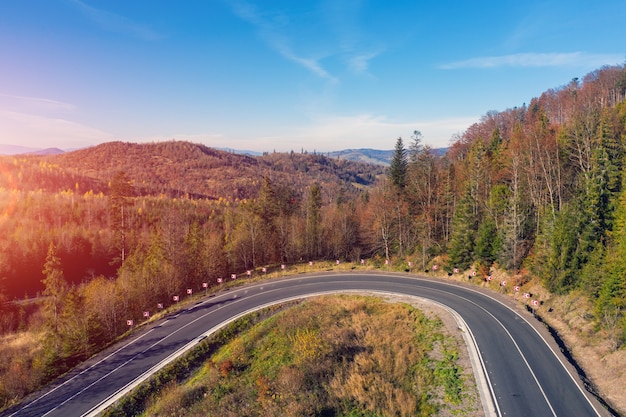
(521, 374)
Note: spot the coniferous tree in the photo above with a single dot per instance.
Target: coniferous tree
(56, 290)
(610, 304)
(398, 165)
(424, 194)
(609, 141)
(245, 244)
(195, 261)
(215, 255)
(514, 231)
(461, 245)
(267, 209)
(581, 227)
(487, 243)
(79, 329)
(313, 232)
(556, 260)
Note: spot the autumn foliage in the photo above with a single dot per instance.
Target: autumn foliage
(537, 188)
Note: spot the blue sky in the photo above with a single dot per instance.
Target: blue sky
(289, 74)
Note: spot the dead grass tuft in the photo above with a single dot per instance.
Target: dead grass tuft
(20, 365)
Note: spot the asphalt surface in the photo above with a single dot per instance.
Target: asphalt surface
(525, 376)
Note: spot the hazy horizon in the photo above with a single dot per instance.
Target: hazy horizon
(320, 75)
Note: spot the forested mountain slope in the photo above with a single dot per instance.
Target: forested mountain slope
(535, 193)
(181, 168)
(68, 199)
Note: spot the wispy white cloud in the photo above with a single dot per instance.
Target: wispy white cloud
(359, 64)
(360, 131)
(115, 23)
(571, 59)
(42, 132)
(13, 102)
(336, 34)
(329, 133)
(311, 64)
(269, 30)
(356, 44)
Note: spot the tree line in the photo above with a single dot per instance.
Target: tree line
(537, 188)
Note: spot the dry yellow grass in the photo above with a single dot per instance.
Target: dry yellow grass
(20, 366)
(350, 355)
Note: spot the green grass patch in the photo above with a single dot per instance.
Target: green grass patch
(338, 356)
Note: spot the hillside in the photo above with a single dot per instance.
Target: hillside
(365, 155)
(182, 168)
(66, 199)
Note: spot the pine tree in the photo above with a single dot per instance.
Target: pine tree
(487, 243)
(581, 226)
(267, 209)
(461, 246)
(267, 203)
(56, 290)
(556, 257)
(195, 263)
(398, 166)
(611, 286)
(313, 233)
(610, 143)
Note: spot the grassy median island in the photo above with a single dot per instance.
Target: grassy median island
(327, 356)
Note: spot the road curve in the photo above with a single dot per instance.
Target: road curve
(526, 377)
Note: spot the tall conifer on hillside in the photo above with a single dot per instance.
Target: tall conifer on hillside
(611, 294)
(313, 232)
(398, 166)
(56, 290)
(461, 246)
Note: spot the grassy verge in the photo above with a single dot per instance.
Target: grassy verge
(341, 356)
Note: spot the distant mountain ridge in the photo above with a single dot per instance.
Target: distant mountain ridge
(370, 156)
(6, 149)
(47, 151)
(366, 155)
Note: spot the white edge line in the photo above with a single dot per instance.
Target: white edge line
(490, 406)
(574, 379)
(530, 369)
(456, 284)
(82, 372)
(471, 346)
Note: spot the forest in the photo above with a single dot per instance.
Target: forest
(105, 233)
